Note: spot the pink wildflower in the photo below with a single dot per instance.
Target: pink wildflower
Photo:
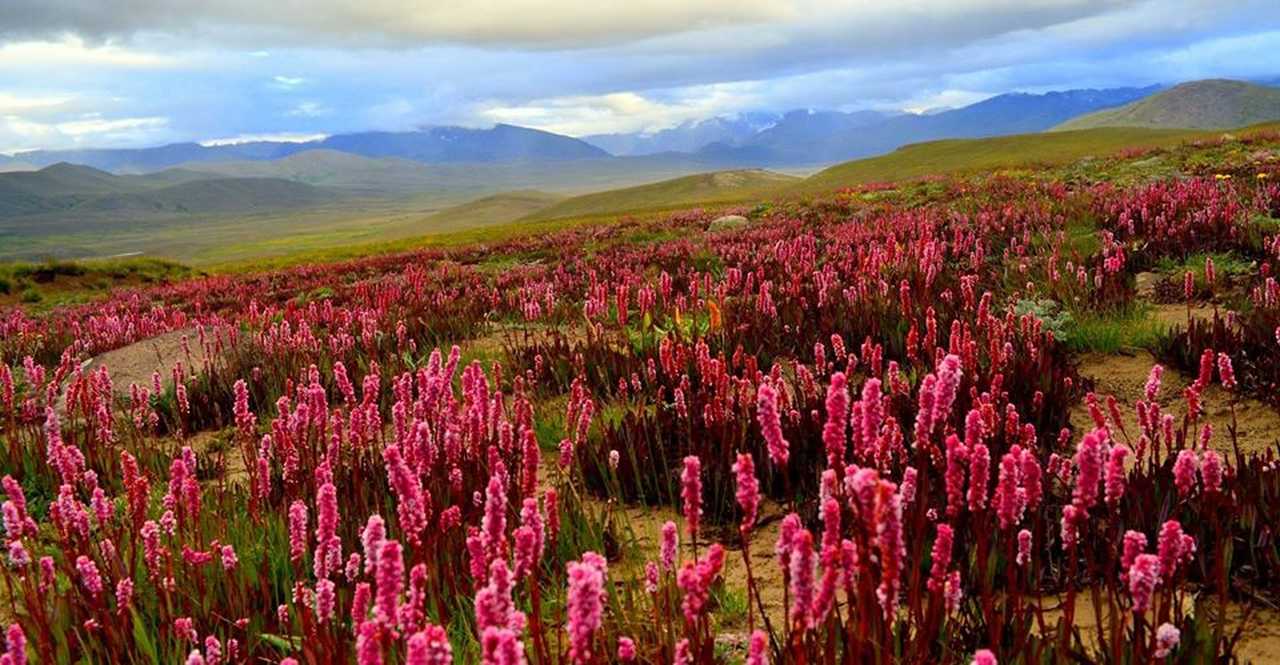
(771, 424)
(748, 491)
(691, 494)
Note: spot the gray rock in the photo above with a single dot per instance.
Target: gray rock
(728, 223)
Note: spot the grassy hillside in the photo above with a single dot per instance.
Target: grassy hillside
(969, 155)
(703, 188)
(490, 210)
(1213, 104)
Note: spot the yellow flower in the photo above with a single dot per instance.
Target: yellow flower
(1262, 176)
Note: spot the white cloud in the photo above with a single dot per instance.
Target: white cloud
(74, 52)
(624, 111)
(22, 133)
(309, 110)
(285, 137)
(288, 81)
(15, 104)
(391, 22)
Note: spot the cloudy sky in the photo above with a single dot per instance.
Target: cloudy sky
(141, 72)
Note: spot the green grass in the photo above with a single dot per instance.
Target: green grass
(1130, 328)
(56, 282)
(953, 156)
(705, 188)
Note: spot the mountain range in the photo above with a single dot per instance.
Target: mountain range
(436, 145)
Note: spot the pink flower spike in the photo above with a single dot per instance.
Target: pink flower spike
(984, 657)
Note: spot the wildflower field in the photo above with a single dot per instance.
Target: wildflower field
(854, 430)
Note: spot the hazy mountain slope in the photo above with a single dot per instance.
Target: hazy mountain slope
(815, 138)
(456, 183)
(218, 196)
(1210, 104)
(79, 193)
(435, 145)
(717, 187)
(458, 144)
(690, 136)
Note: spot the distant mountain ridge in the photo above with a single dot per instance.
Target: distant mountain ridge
(438, 145)
(815, 138)
(1209, 104)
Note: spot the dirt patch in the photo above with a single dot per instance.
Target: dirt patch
(1125, 377)
(1177, 314)
(1259, 638)
(137, 362)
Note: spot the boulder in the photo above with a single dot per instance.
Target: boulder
(728, 223)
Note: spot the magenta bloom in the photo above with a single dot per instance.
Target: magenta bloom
(801, 557)
(1226, 372)
(430, 646)
(771, 424)
(835, 432)
(16, 641)
(1175, 548)
(1024, 547)
(941, 558)
(1184, 472)
(682, 655)
(626, 650)
(670, 544)
(585, 607)
(89, 575)
(297, 530)
(1135, 543)
(1009, 501)
(979, 476)
(696, 578)
(984, 657)
(691, 494)
(758, 649)
(1144, 575)
(1114, 477)
(390, 580)
(748, 492)
(957, 456)
(1211, 471)
(1152, 388)
(1167, 639)
(1089, 460)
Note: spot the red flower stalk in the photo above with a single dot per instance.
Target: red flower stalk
(940, 556)
(771, 424)
(748, 491)
(979, 476)
(835, 432)
(1114, 477)
(957, 456)
(1089, 458)
(691, 494)
(1144, 576)
(801, 574)
(1184, 472)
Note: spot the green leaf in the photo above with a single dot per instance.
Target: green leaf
(142, 638)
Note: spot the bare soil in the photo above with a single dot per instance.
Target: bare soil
(1125, 377)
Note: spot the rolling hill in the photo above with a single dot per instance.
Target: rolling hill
(1211, 104)
(490, 210)
(703, 188)
(69, 194)
(457, 183)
